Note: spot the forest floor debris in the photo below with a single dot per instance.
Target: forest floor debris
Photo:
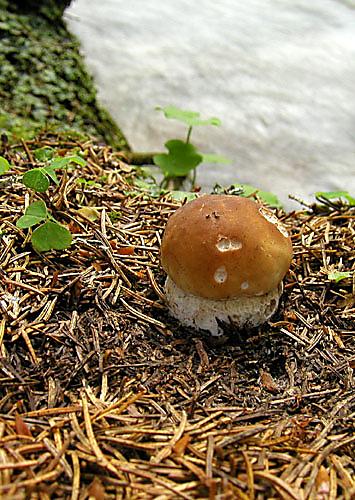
(103, 395)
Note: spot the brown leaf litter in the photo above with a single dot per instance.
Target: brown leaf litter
(103, 395)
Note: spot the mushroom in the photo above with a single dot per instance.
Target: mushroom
(225, 257)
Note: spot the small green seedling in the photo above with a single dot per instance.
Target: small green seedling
(151, 188)
(87, 183)
(182, 157)
(335, 195)
(39, 178)
(268, 198)
(50, 235)
(44, 154)
(4, 165)
(155, 191)
(338, 275)
(183, 195)
(190, 118)
(249, 191)
(114, 216)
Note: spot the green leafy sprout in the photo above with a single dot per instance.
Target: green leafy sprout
(147, 183)
(87, 183)
(335, 195)
(4, 165)
(182, 157)
(39, 178)
(50, 234)
(249, 191)
(339, 275)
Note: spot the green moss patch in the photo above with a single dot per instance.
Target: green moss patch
(43, 80)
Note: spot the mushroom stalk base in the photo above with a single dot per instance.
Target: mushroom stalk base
(202, 314)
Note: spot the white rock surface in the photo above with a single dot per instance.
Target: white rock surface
(279, 74)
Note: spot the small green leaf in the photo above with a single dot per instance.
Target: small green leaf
(269, 198)
(182, 158)
(4, 165)
(65, 162)
(34, 214)
(350, 199)
(89, 213)
(152, 188)
(144, 171)
(142, 184)
(49, 170)
(182, 195)
(338, 275)
(115, 215)
(36, 179)
(44, 154)
(37, 208)
(332, 195)
(27, 221)
(51, 236)
(245, 189)
(191, 118)
(85, 183)
(211, 158)
(78, 160)
(59, 163)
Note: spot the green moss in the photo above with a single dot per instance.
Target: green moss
(51, 9)
(43, 79)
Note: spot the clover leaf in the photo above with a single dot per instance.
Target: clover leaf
(333, 195)
(183, 195)
(51, 236)
(36, 179)
(44, 154)
(4, 165)
(212, 158)
(181, 159)
(191, 118)
(66, 160)
(49, 170)
(269, 198)
(34, 214)
(338, 275)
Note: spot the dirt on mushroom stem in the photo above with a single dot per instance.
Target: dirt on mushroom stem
(100, 388)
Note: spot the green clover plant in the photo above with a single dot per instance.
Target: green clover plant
(339, 275)
(335, 195)
(249, 191)
(4, 165)
(50, 234)
(182, 157)
(39, 178)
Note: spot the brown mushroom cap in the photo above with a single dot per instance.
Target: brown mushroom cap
(222, 247)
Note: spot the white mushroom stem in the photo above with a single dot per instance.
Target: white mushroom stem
(202, 314)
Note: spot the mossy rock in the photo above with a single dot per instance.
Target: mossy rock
(51, 9)
(43, 79)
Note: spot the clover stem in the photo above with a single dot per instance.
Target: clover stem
(188, 135)
(193, 180)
